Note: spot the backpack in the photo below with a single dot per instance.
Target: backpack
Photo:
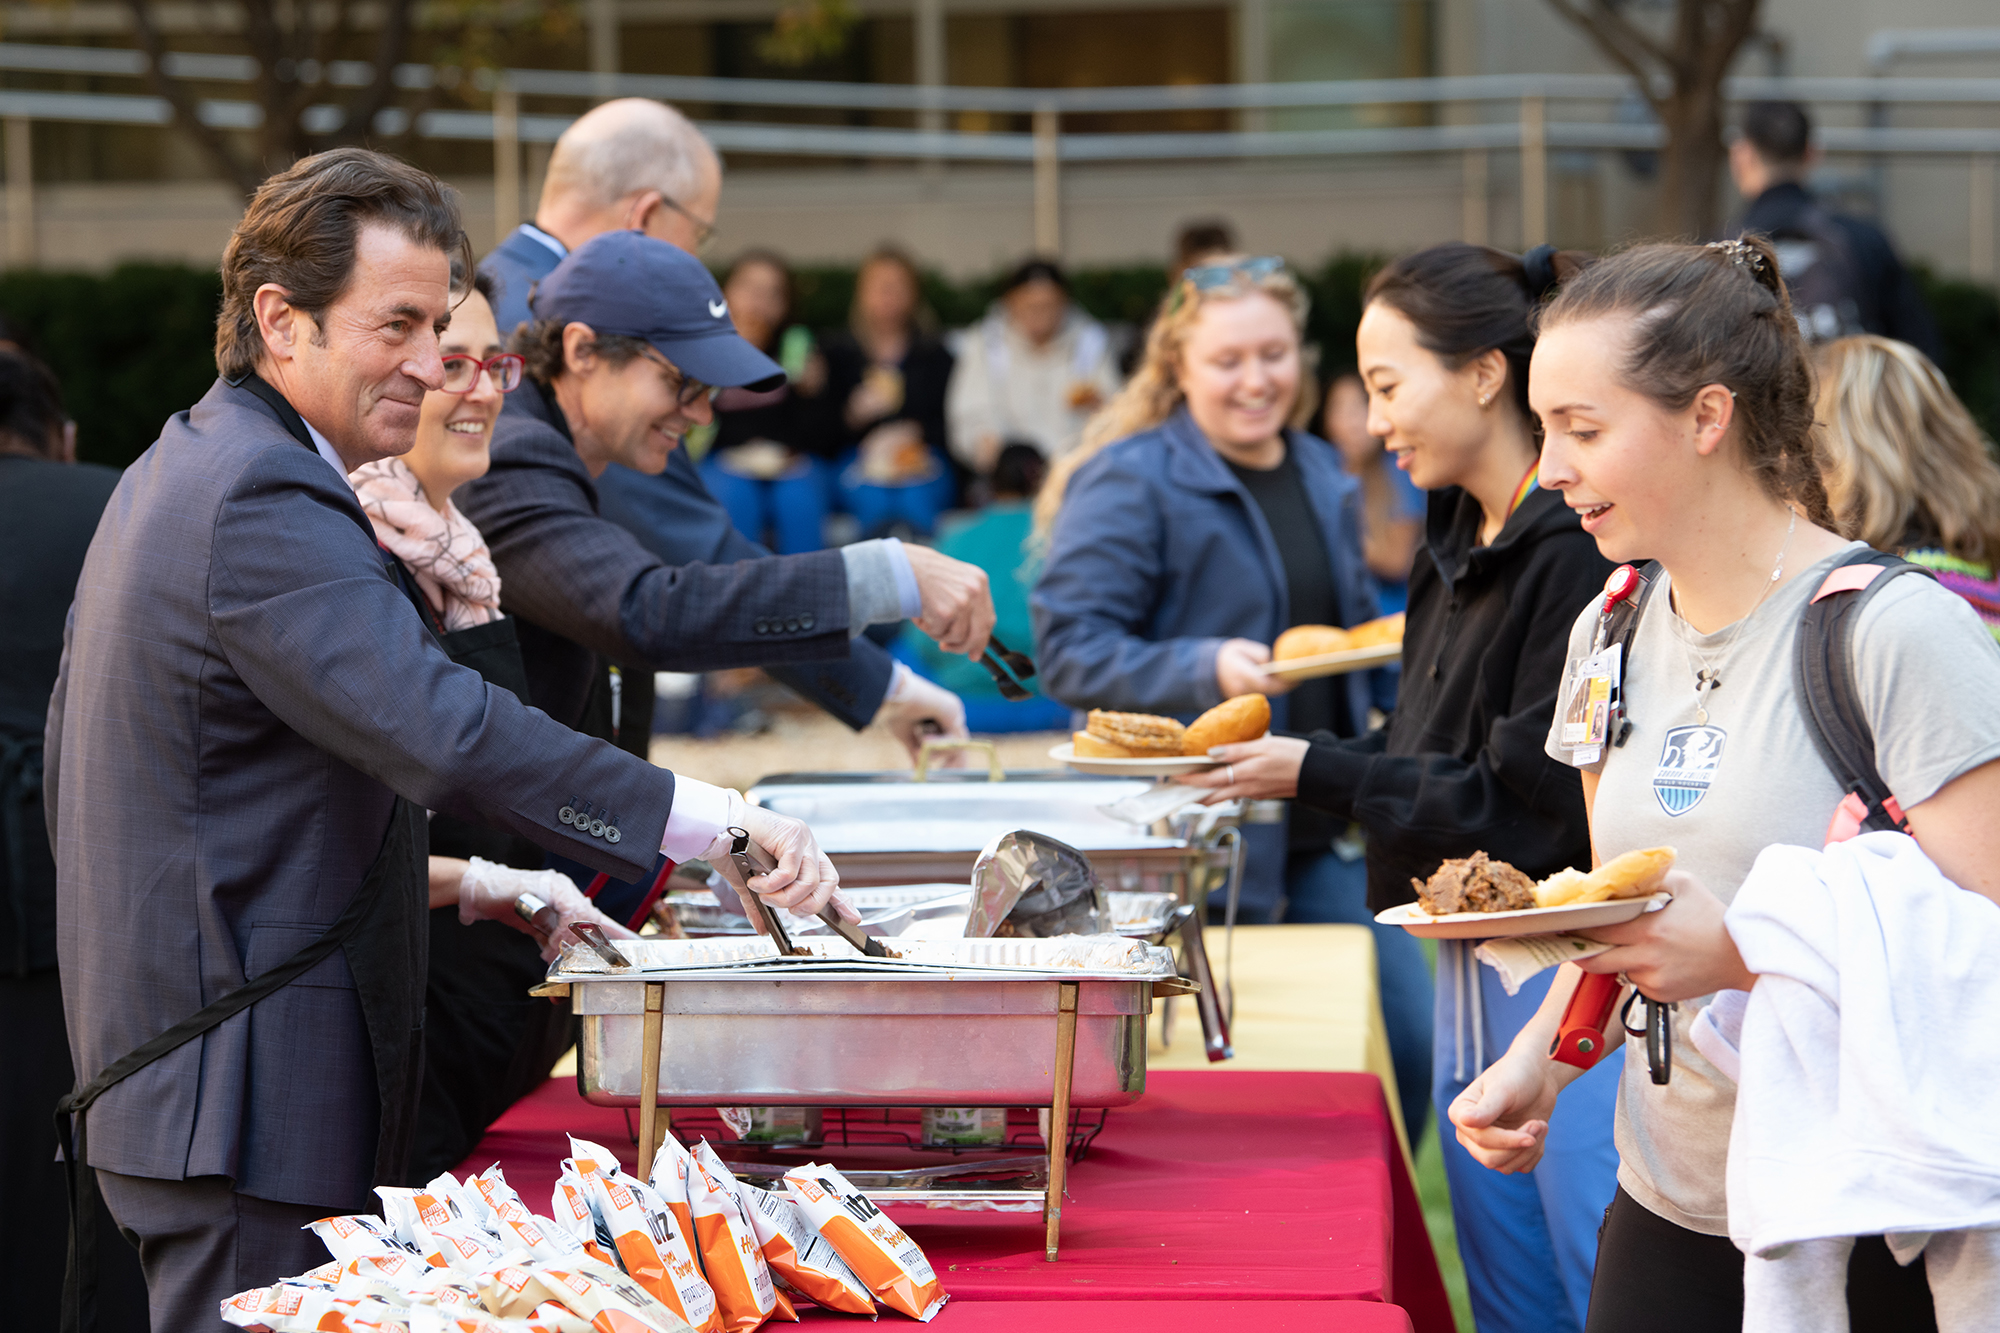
(1824, 675)
(1822, 275)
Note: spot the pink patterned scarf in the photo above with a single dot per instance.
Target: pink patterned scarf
(443, 551)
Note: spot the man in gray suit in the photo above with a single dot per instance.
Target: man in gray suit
(251, 718)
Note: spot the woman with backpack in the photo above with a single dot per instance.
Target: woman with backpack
(1443, 345)
(1677, 407)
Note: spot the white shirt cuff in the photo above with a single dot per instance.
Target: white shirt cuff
(701, 812)
(908, 594)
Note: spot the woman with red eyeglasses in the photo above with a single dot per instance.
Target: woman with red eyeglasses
(486, 1042)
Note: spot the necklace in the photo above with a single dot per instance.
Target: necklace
(1706, 677)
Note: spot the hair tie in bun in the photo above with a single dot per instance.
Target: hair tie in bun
(1740, 253)
(1538, 270)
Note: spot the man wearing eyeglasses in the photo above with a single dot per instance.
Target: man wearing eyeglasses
(637, 164)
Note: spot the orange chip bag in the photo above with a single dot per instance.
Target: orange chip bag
(288, 1309)
(878, 1250)
(574, 1213)
(651, 1246)
(612, 1302)
(360, 1235)
(502, 1213)
(736, 1267)
(799, 1256)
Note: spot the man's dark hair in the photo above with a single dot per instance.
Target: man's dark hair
(300, 232)
(1779, 131)
(31, 408)
(540, 344)
(1035, 270)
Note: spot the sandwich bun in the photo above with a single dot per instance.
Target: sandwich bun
(1310, 641)
(1244, 718)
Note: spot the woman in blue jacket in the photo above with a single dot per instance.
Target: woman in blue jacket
(1188, 530)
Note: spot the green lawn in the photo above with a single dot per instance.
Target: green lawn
(1436, 1201)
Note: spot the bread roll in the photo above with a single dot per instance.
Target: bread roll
(1633, 875)
(1086, 746)
(1310, 641)
(1389, 629)
(1244, 718)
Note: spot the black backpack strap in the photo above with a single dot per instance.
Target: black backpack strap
(1618, 623)
(1831, 697)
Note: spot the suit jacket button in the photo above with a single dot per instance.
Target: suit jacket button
(805, 622)
(596, 828)
(612, 835)
(566, 815)
(762, 627)
(792, 625)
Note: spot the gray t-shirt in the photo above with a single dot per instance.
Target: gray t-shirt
(1929, 677)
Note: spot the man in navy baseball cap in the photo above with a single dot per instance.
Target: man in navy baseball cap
(625, 284)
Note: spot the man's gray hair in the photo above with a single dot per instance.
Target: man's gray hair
(625, 146)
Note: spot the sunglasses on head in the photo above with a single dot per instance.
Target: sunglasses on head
(1212, 277)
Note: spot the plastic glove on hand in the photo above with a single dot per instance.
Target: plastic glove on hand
(803, 880)
(489, 890)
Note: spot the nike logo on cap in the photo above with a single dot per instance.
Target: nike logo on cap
(718, 308)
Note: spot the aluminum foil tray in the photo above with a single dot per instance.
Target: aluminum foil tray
(829, 958)
(1141, 914)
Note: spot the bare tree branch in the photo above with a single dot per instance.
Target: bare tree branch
(187, 109)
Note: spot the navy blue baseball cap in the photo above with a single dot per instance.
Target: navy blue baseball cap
(627, 284)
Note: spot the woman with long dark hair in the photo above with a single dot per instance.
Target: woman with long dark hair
(1444, 343)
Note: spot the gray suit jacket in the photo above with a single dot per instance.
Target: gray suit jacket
(244, 691)
(583, 587)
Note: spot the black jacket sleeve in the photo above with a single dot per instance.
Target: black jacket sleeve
(1508, 798)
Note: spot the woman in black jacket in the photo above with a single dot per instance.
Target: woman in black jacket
(1444, 343)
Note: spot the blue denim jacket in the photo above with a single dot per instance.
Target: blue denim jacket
(1159, 554)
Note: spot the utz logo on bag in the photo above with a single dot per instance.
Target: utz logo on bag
(1689, 758)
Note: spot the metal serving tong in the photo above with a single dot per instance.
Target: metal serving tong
(751, 859)
(543, 918)
(1020, 665)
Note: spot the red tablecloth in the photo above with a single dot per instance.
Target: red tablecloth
(1224, 1187)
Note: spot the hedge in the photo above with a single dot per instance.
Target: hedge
(135, 345)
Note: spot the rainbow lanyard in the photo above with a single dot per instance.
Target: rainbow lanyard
(1528, 485)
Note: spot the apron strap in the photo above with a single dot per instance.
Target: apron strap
(81, 1272)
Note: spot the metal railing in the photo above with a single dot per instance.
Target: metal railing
(1484, 114)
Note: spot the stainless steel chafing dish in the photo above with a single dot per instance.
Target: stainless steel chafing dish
(999, 1022)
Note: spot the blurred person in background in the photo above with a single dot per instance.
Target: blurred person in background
(1199, 241)
(487, 1044)
(1031, 372)
(1192, 527)
(49, 507)
(1392, 507)
(756, 462)
(1444, 342)
(1907, 469)
(995, 538)
(1842, 271)
(887, 375)
(607, 169)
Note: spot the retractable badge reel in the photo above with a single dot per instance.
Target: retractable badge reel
(1580, 1039)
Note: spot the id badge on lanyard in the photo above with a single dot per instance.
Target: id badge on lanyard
(1589, 692)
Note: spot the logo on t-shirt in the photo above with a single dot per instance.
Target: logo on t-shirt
(1688, 761)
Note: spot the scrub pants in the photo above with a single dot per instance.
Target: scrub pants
(1529, 1242)
(1321, 887)
(791, 508)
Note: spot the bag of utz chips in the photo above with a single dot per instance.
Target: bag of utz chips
(716, 1173)
(651, 1246)
(499, 1209)
(736, 1267)
(612, 1302)
(801, 1259)
(878, 1251)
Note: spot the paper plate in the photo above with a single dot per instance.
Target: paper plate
(1335, 664)
(1131, 768)
(1528, 921)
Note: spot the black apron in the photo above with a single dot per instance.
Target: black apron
(384, 933)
